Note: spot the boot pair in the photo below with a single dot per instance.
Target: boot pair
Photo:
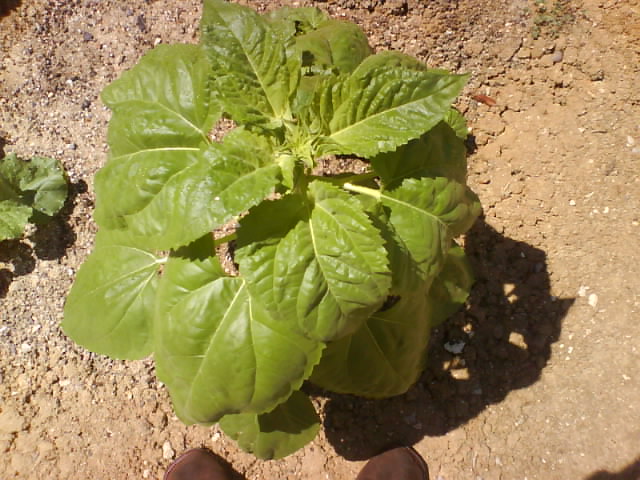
(402, 463)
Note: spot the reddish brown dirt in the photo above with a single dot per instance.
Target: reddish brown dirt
(547, 384)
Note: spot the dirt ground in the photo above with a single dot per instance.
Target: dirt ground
(545, 383)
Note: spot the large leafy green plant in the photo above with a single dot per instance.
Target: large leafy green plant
(339, 278)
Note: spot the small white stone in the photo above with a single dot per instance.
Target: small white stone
(593, 300)
(582, 291)
(167, 451)
(572, 203)
(145, 473)
(25, 347)
(454, 347)
(215, 437)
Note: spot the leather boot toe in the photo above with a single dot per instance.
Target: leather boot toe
(196, 464)
(402, 463)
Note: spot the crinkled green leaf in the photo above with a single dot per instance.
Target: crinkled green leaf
(451, 288)
(111, 304)
(162, 102)
(218, 349)
(13, 218)
(335, 46)
(437, 153)
(38, 184)
(278, 433)
(385, 105)
(250, 71)
(384, 357)
(172, 196)
(426, 214)
(457, 123)
(45, 177)
(318, 260)
(289, 22)
(164, 182)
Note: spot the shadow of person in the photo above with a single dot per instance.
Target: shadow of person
(500, 342)
(632, 472)
(48, 241)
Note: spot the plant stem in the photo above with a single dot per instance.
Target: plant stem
(370, 192)
(352, 179)
(226, 239)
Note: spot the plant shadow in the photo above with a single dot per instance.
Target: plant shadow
(47, 241)
(7, 5)
(631, 472)
(500, 342)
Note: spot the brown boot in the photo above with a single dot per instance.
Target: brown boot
(402, 463)
(196, 464)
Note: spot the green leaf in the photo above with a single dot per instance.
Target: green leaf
(163, 102)
(316, 259)
(276, 434)
(218, 349)
(110, 307)
(169, 197)
(164, 182)
(384, 357)
(387, 354)
(13, 218)
(334, 46)
(451, 288)
(37, 185)
(437, 153)
(289, 22)
(249, 63)
(45, 177)
(424, 216)
(458, 123)
(385, 105)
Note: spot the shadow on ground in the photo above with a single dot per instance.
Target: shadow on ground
(632, 472)
(513, 320)
(7, 5)
(48, 241)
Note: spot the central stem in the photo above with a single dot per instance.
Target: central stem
(369, 192)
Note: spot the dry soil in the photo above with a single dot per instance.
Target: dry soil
(537, 378)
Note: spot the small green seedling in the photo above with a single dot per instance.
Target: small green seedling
(30, 191)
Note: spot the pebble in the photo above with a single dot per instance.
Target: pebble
(167, 451)
(557, 56)
(455, 347)
(593, 300)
